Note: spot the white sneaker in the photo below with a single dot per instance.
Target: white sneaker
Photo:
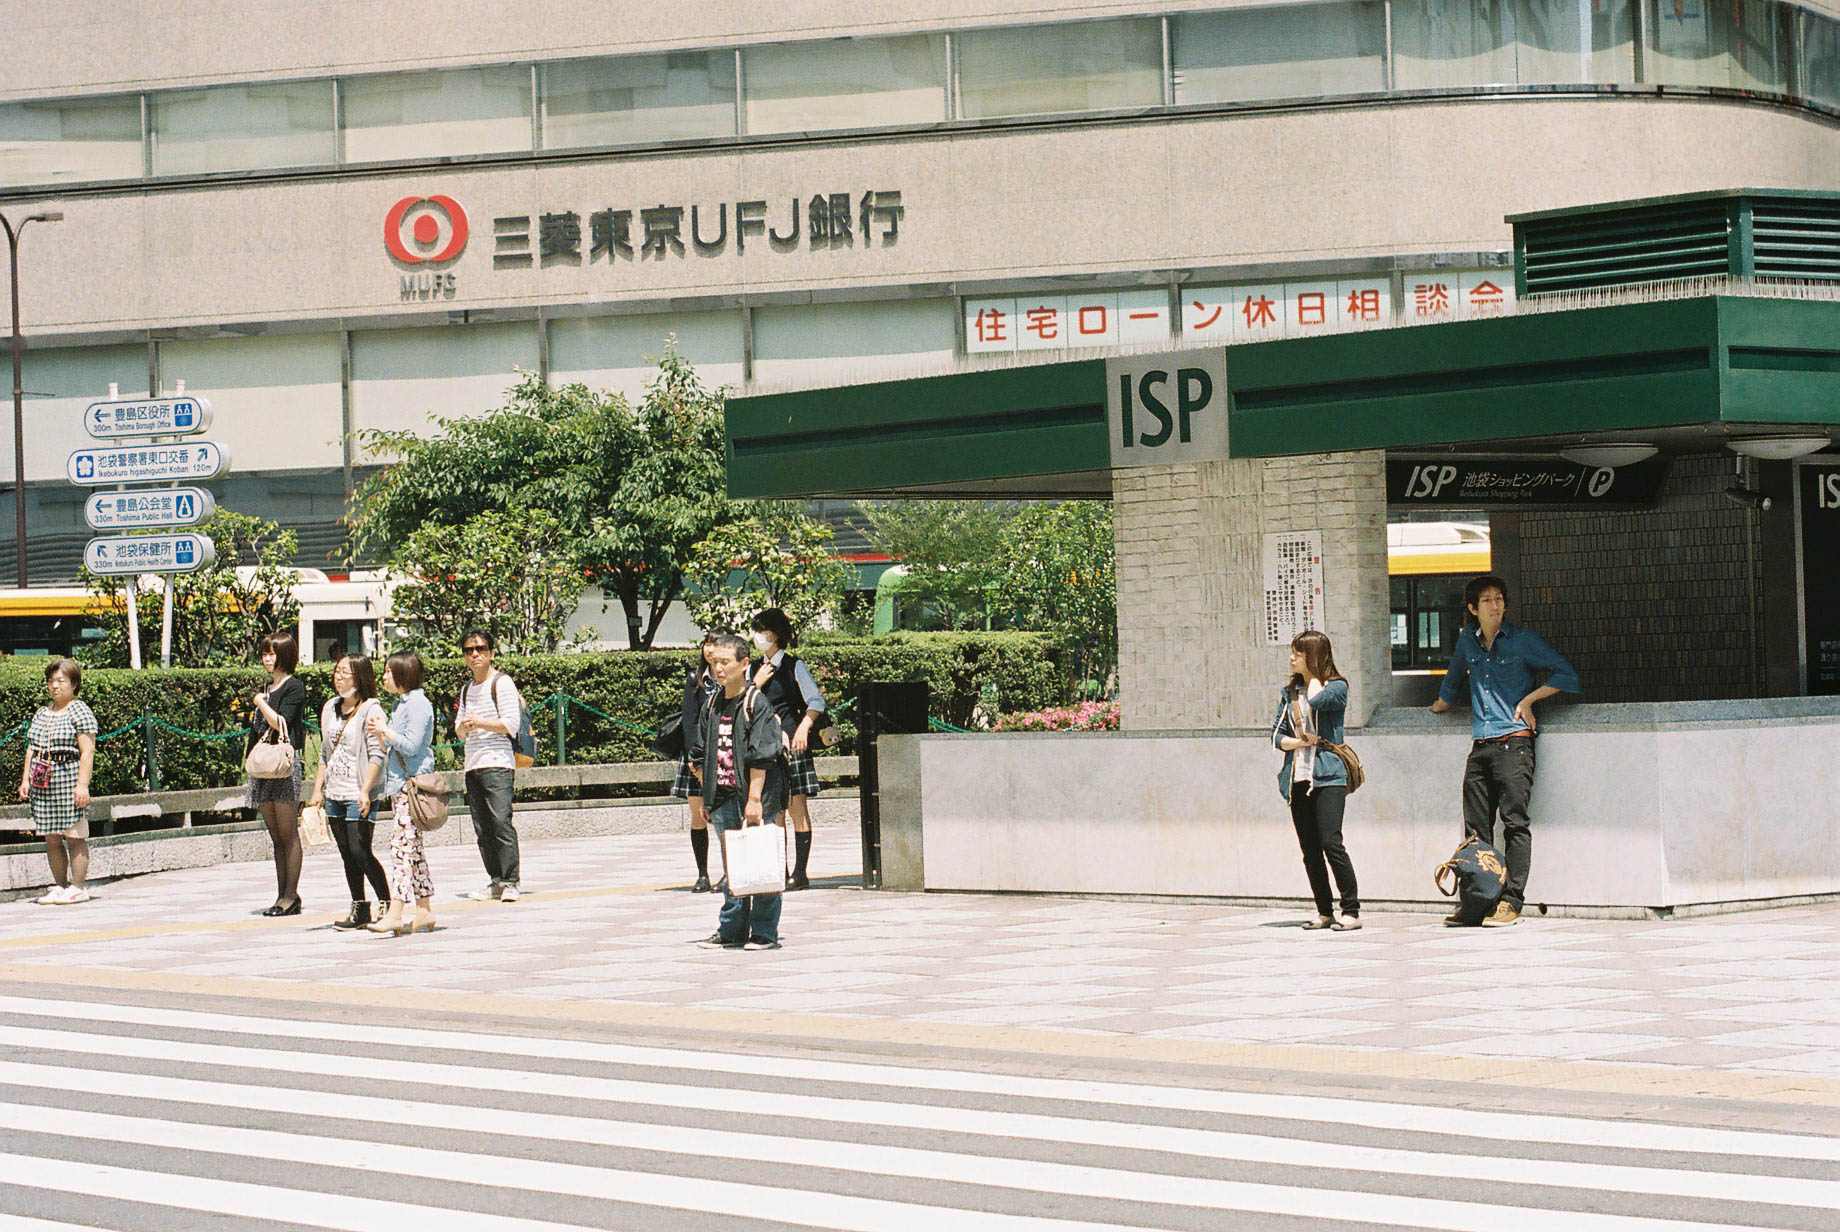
(508, 893)
(76, 894)
(487, 895)
(54, 897)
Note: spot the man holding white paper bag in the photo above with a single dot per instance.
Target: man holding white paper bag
(736, 752)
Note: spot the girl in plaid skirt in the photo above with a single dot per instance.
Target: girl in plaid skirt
(786, 682)
(60, 753)
(699, 686)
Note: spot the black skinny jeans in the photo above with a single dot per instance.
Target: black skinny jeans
(1317, 815)
(354, 843)
(1498, 781)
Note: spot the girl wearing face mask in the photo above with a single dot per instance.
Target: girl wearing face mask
(60, 752)
(351, 761)
(786, 682)
(699, 686)
(280, 709)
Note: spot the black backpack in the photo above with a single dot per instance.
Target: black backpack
(1478, 877)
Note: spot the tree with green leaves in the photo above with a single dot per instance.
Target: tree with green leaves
(512, 574)
(776, 557)
(950, 554)
(221, 612)
(631, 489)
(1060, 576)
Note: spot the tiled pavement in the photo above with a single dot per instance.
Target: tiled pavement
(609, 920)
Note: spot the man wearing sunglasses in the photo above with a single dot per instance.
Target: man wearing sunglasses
(487, 717)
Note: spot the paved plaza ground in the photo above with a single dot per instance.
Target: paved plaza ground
(1741, 1005)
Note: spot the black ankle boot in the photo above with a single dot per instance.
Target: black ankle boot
(359, 917)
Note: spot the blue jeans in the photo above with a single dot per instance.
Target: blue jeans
(755, 917)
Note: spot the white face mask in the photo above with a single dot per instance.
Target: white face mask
(347, 694)
(763, 643)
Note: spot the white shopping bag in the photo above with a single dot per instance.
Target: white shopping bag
(756, 860)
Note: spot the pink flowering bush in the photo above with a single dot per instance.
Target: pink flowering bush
(1087, 716)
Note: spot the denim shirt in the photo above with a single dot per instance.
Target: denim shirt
(411, 739)
(1501, 675)
(1331, 707)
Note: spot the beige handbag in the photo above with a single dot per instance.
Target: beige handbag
(426, 795)
(271, 759)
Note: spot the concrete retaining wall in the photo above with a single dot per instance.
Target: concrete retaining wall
(1638, 806)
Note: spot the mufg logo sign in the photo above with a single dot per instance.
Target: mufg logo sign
(1168, 407)
(422, 232)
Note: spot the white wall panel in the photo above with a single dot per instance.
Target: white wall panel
(275, 399)
(401, 377)
(621, 353)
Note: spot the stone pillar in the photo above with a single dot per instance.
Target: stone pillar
(1190, 541)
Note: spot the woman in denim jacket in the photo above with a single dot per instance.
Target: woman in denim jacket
(1311, 710)
(409, 736)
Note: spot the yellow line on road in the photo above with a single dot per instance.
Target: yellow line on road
(260, 924)
(1608, 1078)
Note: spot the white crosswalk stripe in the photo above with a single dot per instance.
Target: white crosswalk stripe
(473, 1130)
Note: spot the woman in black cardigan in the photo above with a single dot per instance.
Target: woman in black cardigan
(699, 686)
(281, 707)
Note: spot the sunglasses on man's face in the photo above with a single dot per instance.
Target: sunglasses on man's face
(475, 648)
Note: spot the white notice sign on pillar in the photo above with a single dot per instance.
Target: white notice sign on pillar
(1293, 585)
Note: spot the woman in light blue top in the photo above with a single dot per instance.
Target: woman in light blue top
(409, 736)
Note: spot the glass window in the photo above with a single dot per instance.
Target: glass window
(1285, 51)
(1452, 43)
(1821, 58)
(824, 344)
(1085, 66)
(437, 114)
(621, 353)
(1440, 43)
(1742, 44)
(242, 128)
(70, 142)
(59, 383)
(401, 377)
(845, 83)
(1571, 42)
(637, 99)
(275, 398)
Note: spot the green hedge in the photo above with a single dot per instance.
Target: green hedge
(630, 690)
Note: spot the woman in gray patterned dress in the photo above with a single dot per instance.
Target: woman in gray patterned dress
(60, 753)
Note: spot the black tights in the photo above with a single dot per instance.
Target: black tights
(354, 843)
(283, 820)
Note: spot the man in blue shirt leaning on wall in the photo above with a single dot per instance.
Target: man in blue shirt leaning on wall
(1500, 660)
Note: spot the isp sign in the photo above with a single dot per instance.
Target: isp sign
(1168, 407)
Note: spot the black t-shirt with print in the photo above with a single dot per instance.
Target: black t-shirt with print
(727, 781)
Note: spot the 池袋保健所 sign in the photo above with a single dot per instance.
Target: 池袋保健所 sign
(148, 508)
(117, 418)
(123, 554)
(147, 463)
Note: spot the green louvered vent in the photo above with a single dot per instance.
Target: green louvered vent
(1739, 233)
(1619, 247)
(1796, 238)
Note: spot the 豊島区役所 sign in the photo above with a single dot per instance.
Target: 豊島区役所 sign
(122, 554)
(119, 418)
(149, 509)
(147, 463)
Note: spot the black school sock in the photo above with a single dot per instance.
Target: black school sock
(699, 844)
(801, 847)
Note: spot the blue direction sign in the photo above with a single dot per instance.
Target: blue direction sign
(148, 554)
(148, 509)
(91, 468)
(180, 416)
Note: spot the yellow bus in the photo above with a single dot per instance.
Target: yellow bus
(1427, 565)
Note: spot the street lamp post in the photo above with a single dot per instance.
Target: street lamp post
(19, 414)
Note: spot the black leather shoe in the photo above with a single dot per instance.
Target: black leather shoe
(702, 884)
(798, 881)
(278, 909)
(359, 917)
